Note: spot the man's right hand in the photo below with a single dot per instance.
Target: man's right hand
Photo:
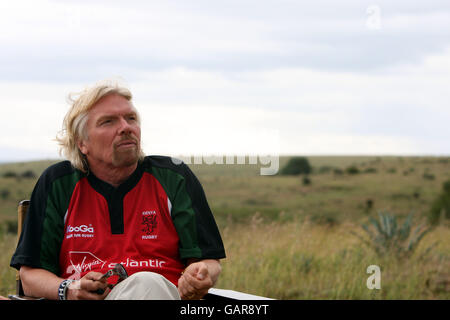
(42, 283)
(84, 289)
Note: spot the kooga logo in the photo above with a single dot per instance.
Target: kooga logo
(82, 228)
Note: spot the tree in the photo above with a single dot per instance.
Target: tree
(296, 166)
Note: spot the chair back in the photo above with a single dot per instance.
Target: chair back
(22, 210)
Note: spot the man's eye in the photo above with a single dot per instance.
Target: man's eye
(105, 122)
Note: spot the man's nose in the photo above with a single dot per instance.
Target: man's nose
(124, 126)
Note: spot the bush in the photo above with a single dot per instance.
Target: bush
(29, 174)
(296, 166)
(352, 170)
(10, 174)
(369, 204)
(441, 205)
(306, 181)
(385, 238)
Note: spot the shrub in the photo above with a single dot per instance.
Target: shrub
(385, 238)
(10, 174)
(28, 174)
(352, 170)
(369, 204)
(306, 181)
(441, 205)
(296, 166)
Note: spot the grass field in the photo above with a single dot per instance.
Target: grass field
(288, 240)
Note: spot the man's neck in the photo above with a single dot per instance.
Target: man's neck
(115, 176)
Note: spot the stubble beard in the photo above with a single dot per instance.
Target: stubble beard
(127, 157)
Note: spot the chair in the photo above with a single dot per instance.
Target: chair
(213, 294)
(22, 210)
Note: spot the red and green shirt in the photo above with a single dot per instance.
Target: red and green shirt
(154, 221)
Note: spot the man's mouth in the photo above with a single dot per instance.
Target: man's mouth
(126, 144)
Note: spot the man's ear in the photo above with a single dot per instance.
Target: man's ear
(82, 146)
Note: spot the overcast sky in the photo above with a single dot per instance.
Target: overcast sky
(234, 77)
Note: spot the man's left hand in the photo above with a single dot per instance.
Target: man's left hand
(195, 281)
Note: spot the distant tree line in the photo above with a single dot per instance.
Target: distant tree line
(28, 174)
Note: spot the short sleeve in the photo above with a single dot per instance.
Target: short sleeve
(192, 217)
(40, 241)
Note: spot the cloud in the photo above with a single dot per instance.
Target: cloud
(401, 110)
(236, 76)
(32, 114)
(287, 110)
(71, 41)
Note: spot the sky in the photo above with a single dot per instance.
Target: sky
(234, 77)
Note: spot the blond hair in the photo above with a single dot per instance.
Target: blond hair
(75, 121)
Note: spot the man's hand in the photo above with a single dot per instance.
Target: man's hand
(84, 289)
(198, 278)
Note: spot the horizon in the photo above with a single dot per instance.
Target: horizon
(6, 162)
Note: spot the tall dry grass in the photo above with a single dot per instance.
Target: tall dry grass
(303, 260)
(300, 246)
(7, 274)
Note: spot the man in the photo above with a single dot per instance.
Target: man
(110, 204)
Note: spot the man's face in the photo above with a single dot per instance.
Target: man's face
(113, 133)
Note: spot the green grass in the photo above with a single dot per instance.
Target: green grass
(286, 240)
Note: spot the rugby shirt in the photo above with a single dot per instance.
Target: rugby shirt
(154, 221)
